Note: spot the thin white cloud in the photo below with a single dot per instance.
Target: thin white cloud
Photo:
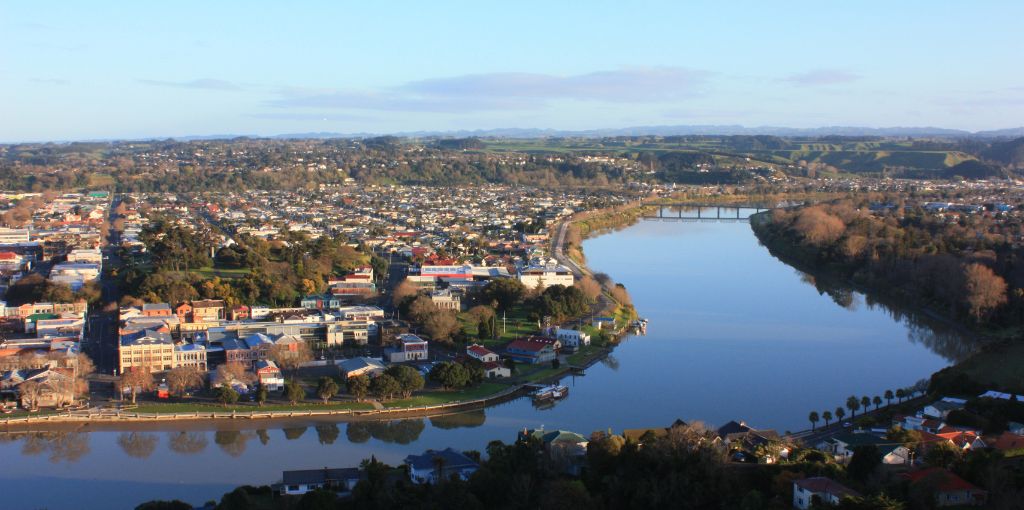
(202, 83)
(508, 91)
(822, 77)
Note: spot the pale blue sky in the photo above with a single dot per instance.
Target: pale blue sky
(141, 69)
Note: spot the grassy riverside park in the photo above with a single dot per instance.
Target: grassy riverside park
(196, 407)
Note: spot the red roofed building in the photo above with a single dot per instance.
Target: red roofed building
(1008, 441)
(531, 350)
(481, 353)
(949, 489)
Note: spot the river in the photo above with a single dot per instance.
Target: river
(734, 334)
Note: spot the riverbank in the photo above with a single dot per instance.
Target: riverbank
(989, 359)
(151, 414)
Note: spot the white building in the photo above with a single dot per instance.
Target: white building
(545, 275)
(410, 348)
(13, 235)
(94, 256)
(819, 490)
(75, 274)
(572, 338)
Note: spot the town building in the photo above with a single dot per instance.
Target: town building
(409, 348)
(542, 276)
(269, 375)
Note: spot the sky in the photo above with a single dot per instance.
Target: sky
(71, 71)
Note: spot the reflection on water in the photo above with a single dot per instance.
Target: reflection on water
(57, 446)
(398, 431)
(232, 442)
(467, 419)
(137, 444)
(327, 433)
(942, 338)
(187, 443)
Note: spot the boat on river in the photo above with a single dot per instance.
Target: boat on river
(553, 392)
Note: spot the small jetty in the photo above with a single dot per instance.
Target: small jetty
(640, 326)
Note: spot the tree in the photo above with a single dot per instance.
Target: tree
(853, 405)
(888, 398)
(506, 292)
(326, 388)
(358, 386)
(450, 375)
(827, 416)
(942, 454)
(865, 402)
(384, 387)
(422, 308)
(840, 413)
(30, 392)
(180, 379)
(901, 394)
(290, 356)
(261, 395)
(866, 458)
(442, 325)
(233, 371)
(402, 292)
(877, 401)
(137, 380)
(984, 290)
(409, 379)
(813, 417)
(293, 391)
(589, 286)
(227, 395)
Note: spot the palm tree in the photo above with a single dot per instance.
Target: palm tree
(900, 394)
(877, 401)
(813, 417)
(888, 398)
(865, 402)
(853, 405)
(840, 413)
(827, 416)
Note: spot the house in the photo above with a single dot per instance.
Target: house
(297, 483)
(948, 488)
(46, 387)
(531, 351)
(240, 312)
(481, 353)
(269, 375)
(495, 370)
(942, 408)
(354, 367)
(844, 444)
(819, 490)
(184, 312)
(565, 449)
(1008, 441)
(410, 348)
(156, 310)
(435, 465)
(572, 338)
(965, 440)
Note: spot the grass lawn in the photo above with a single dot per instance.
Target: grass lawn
(430, 398)
(998, 366)
(545, 373)
(185, 407)
(584, 355)
(210, 272)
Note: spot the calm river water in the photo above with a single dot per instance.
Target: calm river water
(734, 334)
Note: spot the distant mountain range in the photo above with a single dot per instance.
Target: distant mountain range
(685, 130)
(725, 130)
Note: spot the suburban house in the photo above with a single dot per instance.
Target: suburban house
(949, 489)
(435, 465)
(355, 367)
(531, 351)
(843, 445)
(819, 490)
(297, 483)
(942, 408)
(410, 348)
(269, 375)
(567, 450)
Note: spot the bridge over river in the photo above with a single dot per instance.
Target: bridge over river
(704, 212)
